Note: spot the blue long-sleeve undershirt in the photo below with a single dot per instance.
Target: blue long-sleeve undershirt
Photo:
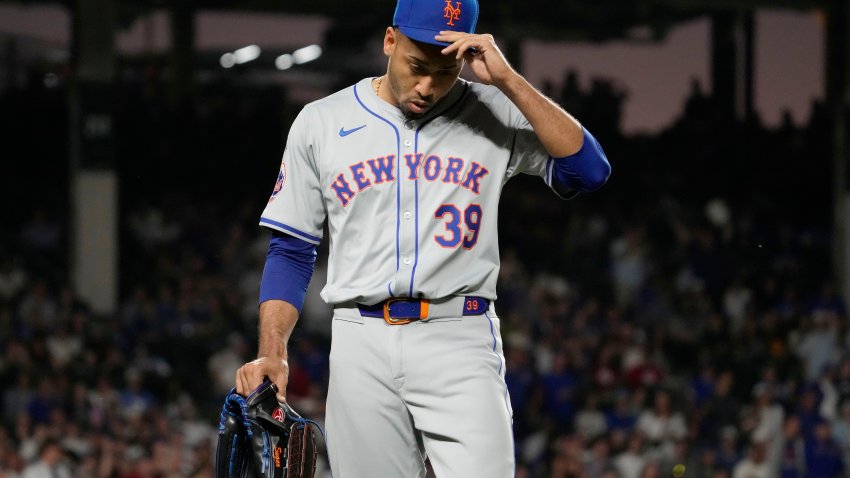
(585, 171)
(288, 269)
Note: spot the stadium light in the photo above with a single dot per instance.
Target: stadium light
(284, 62)
(308, 53)
(227, 60)
(246, 54)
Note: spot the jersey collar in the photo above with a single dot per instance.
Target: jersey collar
(370, 98)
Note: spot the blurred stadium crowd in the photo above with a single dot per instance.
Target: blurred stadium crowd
(683, 314)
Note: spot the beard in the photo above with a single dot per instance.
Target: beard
(410, 105)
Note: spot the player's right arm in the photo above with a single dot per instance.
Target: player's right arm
(286, 275)
(294, 214)
(277, 319)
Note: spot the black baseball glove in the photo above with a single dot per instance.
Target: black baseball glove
(259, 437)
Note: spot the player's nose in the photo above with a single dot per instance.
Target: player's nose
(425, 87)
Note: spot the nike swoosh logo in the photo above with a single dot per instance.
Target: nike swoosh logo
(343, 132)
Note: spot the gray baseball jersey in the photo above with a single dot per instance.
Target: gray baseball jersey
(412, 204)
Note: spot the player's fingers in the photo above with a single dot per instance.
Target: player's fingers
(449, 36)
(459, 42)
(254, 376)
(457, 48)
(469, 47)
(280, 379)
(248, 378)
(241, 382)
(449, 49)
(278, 372)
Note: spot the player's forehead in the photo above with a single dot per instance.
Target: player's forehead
(427, 54)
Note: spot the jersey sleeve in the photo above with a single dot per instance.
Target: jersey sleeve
(296, 206)
(529, 156)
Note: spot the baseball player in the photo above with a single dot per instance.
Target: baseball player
(408, 168)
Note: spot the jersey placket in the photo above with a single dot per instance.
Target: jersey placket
(407, 213)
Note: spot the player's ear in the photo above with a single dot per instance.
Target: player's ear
(390, 41)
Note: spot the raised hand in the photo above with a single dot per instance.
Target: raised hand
(481, 53)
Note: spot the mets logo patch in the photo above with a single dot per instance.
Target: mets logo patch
(281, 180)
(451, 13)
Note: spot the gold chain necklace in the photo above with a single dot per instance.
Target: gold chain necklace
(378, 86)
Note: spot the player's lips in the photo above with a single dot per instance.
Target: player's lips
(418, 106)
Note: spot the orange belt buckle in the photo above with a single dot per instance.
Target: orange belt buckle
(423, 312)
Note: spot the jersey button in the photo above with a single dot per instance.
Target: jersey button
(406, 261)
(407, 143)
(409, 124)
(407, 215)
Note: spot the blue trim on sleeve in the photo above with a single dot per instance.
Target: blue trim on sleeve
(585, 171)
(398, 175)
(289, 267)
(291, 230)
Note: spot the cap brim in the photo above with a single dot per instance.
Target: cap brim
(422, 35)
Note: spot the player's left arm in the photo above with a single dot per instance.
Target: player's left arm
(580, 163)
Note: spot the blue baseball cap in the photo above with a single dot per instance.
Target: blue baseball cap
(422, 20)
